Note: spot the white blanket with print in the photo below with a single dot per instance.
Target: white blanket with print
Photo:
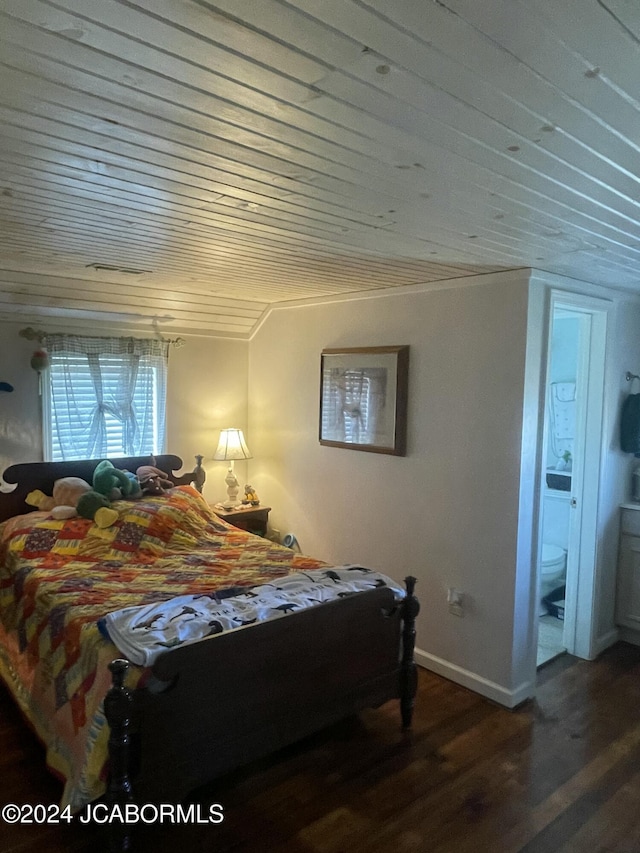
(144, 632)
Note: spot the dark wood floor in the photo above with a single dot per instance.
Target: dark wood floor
(560, 775)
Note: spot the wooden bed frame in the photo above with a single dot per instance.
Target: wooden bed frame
(42, 475)
(214, 705)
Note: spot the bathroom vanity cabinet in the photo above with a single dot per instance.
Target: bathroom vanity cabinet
(628, 584)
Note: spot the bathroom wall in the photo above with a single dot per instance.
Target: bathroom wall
(564, 360)
(562, 368)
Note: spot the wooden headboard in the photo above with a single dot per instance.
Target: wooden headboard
(42, 475)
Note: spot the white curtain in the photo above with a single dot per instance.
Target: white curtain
(353, 402)
(107, 396)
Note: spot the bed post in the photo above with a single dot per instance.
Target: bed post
(199, 475)
(118, 704)
(408, 670)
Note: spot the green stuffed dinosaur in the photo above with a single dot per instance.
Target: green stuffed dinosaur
(109, 483)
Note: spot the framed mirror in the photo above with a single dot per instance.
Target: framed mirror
(363, 398)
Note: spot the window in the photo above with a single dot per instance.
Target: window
(104, 397)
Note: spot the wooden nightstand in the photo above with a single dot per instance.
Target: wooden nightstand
(253, 519)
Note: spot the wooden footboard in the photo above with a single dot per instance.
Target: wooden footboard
(227, 700)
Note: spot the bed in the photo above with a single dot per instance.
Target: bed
(201, 707)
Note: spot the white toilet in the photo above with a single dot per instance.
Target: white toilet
(553, 568)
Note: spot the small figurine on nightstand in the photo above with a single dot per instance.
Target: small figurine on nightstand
(250, 496)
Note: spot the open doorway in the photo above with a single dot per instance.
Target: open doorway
(570, 475)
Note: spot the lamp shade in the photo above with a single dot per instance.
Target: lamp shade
(231, 445)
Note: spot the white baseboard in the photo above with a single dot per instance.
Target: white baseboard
(629, 635)
(608, 639)
(489, 689)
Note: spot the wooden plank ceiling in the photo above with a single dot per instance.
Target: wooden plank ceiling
(184, 163)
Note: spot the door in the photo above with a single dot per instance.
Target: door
(591, 317)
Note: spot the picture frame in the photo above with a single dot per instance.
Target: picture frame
(363, 398)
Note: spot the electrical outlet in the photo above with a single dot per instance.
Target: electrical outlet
(455, 600)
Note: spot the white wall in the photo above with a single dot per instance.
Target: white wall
(207, 392)
(448, 511)
(623, 355)
(20, 427)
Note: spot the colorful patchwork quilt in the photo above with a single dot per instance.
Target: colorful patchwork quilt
(58, 578)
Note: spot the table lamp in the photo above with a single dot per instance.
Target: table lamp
(231, 446)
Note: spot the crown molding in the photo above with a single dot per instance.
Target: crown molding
(517, 274)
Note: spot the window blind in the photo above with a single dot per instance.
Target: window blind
(104, 404)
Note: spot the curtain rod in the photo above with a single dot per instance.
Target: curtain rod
(38, 335)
